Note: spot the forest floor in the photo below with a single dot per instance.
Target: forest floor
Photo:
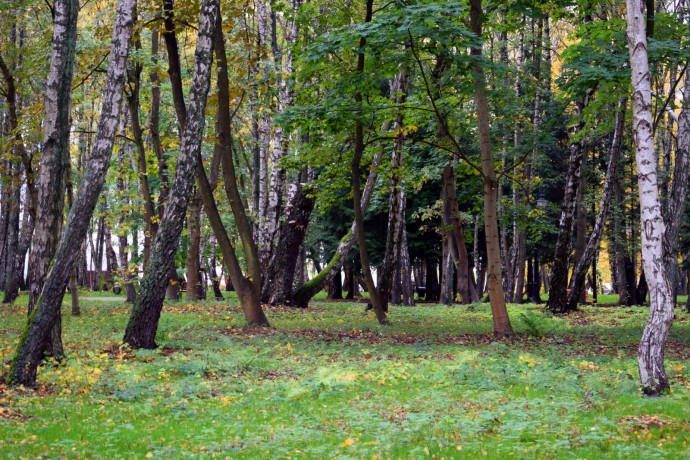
(328, 382)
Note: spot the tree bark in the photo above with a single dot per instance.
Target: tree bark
(456, 235)
(558, 300)
(653, 341)
(578, 279)
(193, 256)
(396, 211)
(309, 289)
(55, 148)
(280, 277)
(248, 288)
(502, 326)
(10, 254)
(676, 198)
(143, 322)
(44, 317)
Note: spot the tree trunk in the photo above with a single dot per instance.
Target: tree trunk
(11, 252)
(335, 289)
(55, 148)
(44, 317)
(309, 289)
(213, 273)
(580, 228)
(248, 288)
(143, 322)
(456, 235)
(280, 276)
(405, 267)
(193, 256)
(653, 341)
(111, 261)
(149, 209)
(374, 298)
(447, 274)
(578, 279)
(502, 326)
(396, 211)
(676, 199)
(558, 295)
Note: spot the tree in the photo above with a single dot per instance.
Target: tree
(499, 311)
(653, 228)
(143, 321)
(43, 318)
(55, 155)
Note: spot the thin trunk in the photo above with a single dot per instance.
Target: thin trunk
(405, 266)
(578, 279)
(456, 235)
(111, 261)
(133, 104)
(309, 289)
(580, 226)
(653, 341)
(374, 298)
(559, 273)
(501, 320)
(12, 239)
(193, 256)
(396, 211)
(676, 199)
(248, 288)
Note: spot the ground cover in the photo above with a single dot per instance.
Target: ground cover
(328, 382)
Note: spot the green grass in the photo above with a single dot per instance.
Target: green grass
(328, 382)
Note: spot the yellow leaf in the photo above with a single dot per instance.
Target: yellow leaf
(348, 442)
(149, 455)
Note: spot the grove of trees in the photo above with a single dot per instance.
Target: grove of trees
(476, 151)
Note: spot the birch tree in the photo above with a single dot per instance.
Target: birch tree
(653, 228)
(43, 318)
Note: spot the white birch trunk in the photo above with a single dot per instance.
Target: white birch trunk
(653, 228)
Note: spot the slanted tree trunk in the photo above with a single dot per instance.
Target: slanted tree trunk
(578, 279)
(502, 326)
(44, 317)
(653, 341)
(558, 295)
(248, 288)
(133, 104)
(143, 322)
(374, 299)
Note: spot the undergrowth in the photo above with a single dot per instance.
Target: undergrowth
(328, 382)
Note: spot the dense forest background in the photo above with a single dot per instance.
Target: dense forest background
(414, 151)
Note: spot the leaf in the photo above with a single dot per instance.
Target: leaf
(348, 442)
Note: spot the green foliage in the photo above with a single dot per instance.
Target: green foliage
(328, 382)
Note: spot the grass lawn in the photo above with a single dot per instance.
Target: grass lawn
(328, 382)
